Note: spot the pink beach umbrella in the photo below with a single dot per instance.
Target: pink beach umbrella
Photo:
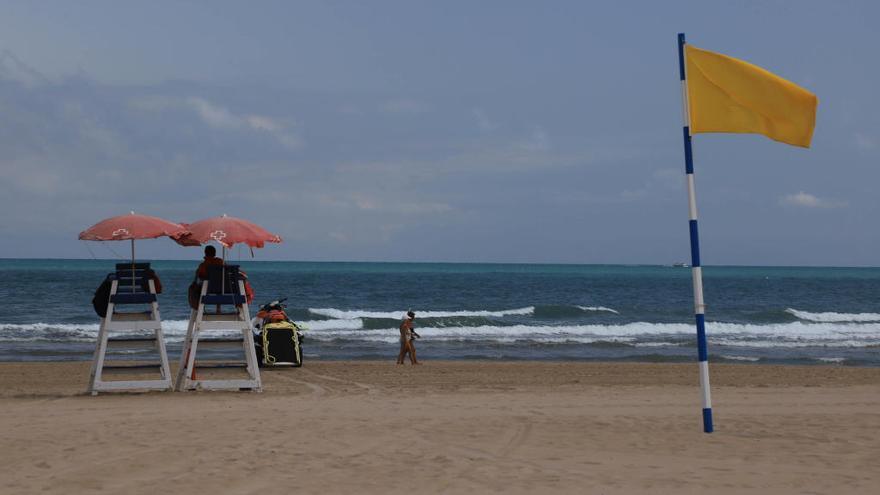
(131, 227)
(227, 231)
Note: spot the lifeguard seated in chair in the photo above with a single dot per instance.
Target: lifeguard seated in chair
(210, 259)
(212, 264)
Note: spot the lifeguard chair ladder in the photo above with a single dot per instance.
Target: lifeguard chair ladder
(127, 288)
(216, 294)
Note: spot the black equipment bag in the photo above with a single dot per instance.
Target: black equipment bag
(278, 344)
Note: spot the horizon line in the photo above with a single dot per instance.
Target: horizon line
(545, 263)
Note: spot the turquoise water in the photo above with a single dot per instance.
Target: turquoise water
(489, 311)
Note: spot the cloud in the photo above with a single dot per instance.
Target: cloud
(405, 105)
(536, 141)
(152, 103)
(338, 236)
(214, 115)
(349, 109)
(396, 206)
(366, 204)
(221, 118)
(633, 194)
(13, 69)
(262, 123)
(669, 178)
(33, 178)
(483, 121)
(806, 200)
(423, 208)
(287, 138)
(865, 142)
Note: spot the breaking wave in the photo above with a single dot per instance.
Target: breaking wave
(749, 359)
(342, 314)
(646, 334)
(796, 334)
(832, 317)
(599, 308)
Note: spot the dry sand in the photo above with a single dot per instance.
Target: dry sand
(521, 427)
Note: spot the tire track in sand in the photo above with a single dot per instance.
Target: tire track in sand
(368, 388)
(521, 433)
(476, 459)
(314, 388)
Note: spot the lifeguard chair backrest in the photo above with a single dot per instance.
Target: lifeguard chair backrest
(132, 284)
(223, 279)
(128, 275)
(223, 286)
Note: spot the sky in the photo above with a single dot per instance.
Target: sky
(444, 131)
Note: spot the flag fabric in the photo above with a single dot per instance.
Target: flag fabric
(730, 95)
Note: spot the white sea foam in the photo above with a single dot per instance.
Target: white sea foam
(599, 308)
(798, 330)
(741, 358)
(832, 317)
(770, 342)
(794, 334)
(343, 314)
(40, 326)
(174, 330)
(354, 324)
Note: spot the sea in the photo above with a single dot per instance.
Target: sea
(501, 312)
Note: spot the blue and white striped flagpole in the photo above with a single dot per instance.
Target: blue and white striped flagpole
(696, 269)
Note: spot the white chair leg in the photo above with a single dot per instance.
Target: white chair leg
(185, 351)
(98, 358)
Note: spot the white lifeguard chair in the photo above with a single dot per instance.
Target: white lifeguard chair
(131, 285)
(224, 287)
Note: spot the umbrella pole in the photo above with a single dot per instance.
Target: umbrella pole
(222, 272)
(132, 265)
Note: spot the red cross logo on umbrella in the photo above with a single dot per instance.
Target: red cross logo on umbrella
(218, 235)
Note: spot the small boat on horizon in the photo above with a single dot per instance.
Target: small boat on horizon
(680, 265)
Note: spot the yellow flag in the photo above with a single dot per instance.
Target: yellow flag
(730, 95)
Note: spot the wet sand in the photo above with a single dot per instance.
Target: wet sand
(521, 427)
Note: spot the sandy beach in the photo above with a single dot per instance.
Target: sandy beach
(521, 427)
